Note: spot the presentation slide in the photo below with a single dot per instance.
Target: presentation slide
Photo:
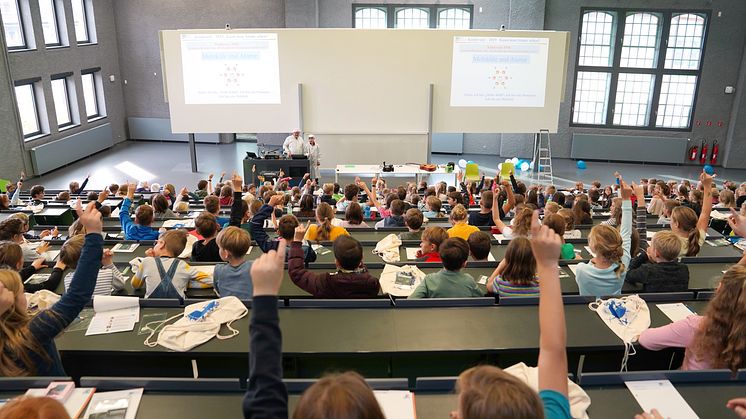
(499, 72)
(230, 68)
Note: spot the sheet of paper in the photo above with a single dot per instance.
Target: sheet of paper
(250, 249)
(208, 269)
(104, 323)
(573, 268)
(483, 280)
(396, 404)
(588, 249)
(50, 255)
(125, 247)
(675, 311)
(113, 314)
(720, 215)
(105, 401)
(490, 258)
(661, 395)
(185, 223)
(499, 238)
(649, 234)
(412, 252)
(75, 403)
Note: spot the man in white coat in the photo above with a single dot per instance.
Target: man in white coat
(294, 144)
(314, 156)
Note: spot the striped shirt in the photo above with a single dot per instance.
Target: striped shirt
(109, 278)
(509, 289)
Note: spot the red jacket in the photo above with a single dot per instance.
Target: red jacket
(358, 284)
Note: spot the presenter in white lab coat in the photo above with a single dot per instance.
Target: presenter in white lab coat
(314, 156)
(294, 144)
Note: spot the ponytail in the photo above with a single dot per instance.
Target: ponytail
(693, 243)
(324, 214)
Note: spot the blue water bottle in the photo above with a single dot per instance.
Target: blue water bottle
(367, 211)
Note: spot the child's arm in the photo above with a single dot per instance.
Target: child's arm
(16, 198)
(371, 195)
(306, 280)
(83, 185)
(209, 184)
(641, 221)
(510, 203)
(257, 224)
(266, 395)
(197, 278)
(138, 280)
(704, 215)
(499, 270)
(626, 228)
(124, 210)
(546, 245)
(513, 182)
(636, 272)
(117, 280)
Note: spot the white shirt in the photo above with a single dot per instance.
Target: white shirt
(294, 146)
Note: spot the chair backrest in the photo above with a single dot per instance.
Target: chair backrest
(675, 376)
(340, 303)
(25, 383)
(163, 383)
(435, 384)
(705, 295)
(446, 302)
(160, 303)
(299, 385)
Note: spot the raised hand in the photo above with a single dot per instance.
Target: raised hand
(103, 195)
(90, 217)
(639, 191)
(266, 272)
(300, 231)
(275, 200)
(545, 243)
(107, 257)
(737, 223)
(626, 190)
(706, 180)
(237, 182)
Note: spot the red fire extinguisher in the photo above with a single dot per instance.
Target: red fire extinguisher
(703, 155)
(693, 152)
(715, 149)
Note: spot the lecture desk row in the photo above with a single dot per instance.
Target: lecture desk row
(381, 342)
(610, 401)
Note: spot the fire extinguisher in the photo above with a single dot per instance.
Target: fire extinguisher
(715, 149)
(693, 152)
(703, 155)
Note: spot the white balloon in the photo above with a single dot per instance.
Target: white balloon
(514, 160)
(508, 161)
(524, 166)
(499, 167)
(462, 164)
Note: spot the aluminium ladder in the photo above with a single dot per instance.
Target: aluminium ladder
(542, 159)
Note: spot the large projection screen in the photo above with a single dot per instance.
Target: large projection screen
(357, 81)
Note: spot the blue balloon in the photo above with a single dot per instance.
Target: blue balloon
(709, 170)
(581, 165)
(470, 162)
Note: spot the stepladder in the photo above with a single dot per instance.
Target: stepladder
(541, 163)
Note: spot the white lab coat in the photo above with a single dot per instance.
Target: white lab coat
(314, 157)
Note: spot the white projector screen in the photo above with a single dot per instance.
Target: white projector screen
(230, 68)
(352, 82)
(499, 71)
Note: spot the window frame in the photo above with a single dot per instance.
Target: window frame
(657, 72)
(433, 10)
(66, 79)
(34, 84)
(98, 94)
(22, 27)
(56, 20)
(86, 20)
